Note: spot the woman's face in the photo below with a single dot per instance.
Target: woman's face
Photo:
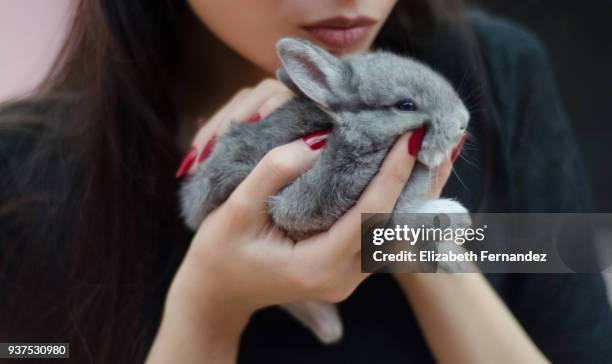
(252, 28)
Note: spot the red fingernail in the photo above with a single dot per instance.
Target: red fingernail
(207, 148)
(316, 140)
(416, 139)
(187, 162)
(201, 121)
(254, 118)
(457, 149)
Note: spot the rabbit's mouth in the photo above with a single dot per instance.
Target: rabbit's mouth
(431, 159)
(437, 146)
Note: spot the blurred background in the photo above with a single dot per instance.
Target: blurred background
(31, 32)
(576, 35)
(577, 39)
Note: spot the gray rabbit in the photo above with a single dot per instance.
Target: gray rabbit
(368, 100)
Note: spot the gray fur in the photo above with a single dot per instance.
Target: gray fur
(355, 96)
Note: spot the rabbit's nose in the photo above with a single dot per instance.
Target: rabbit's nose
(463, 122)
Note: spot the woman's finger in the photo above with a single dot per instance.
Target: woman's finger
(274, 103)
(277, 168)
(260, 94)
(245, 104)
(205, 133)
(205, 138)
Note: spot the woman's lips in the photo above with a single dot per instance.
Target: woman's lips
(339, 37)
(341, 31)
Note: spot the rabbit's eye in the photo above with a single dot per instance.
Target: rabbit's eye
(406, 105)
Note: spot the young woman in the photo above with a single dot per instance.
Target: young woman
(94, 252)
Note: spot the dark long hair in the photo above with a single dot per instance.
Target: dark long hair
(89, 212)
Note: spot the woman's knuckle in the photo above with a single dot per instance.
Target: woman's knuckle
(313, 281)
(273, 102)
(372, 203)
(243, 91)
(268, 84)
(395, 175)
(322, 284)
(277, 162)
(267, 106)
(311, 284)
(236, 204)
(338, 294)
(325, 279)
(301, 281)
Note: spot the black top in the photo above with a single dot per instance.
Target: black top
(536, 169)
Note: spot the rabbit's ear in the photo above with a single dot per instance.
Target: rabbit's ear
(318, 74)
(283, 76)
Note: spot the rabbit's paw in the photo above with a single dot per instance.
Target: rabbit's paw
(322, 318)
(296, 211)
(456, 212)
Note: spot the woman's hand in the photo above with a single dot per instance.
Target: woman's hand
(249, 105)
(239, 262)
(461, 316)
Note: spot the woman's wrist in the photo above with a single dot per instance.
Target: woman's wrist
(218, 322)
(188, 337)
(199, 321)
(454, 310)
(205, 301)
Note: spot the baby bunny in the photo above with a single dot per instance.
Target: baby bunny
(368, 100)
